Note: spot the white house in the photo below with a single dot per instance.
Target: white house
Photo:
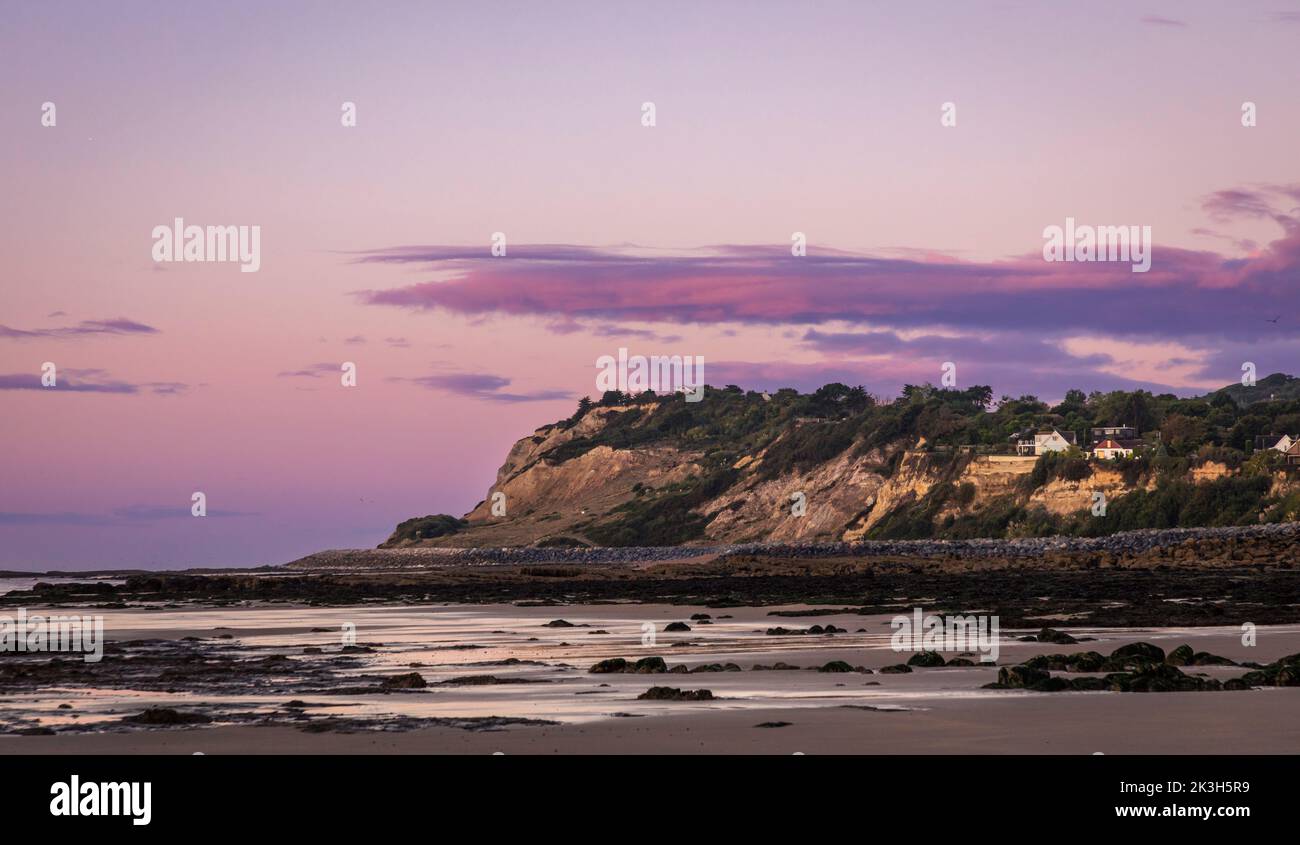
(1280, 442)
(1045, 441)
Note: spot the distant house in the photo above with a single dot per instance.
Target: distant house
(1280, 442)
(1293, 454)
(1110, 449)
(1113, 432)
(1042, 442)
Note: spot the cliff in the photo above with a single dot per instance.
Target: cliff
(839, 465)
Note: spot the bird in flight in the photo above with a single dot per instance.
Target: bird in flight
(1274, 320)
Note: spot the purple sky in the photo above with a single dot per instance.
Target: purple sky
(924, 241)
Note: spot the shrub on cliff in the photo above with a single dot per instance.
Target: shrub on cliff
(1182, 504)
(1070, 465)
(425, 528)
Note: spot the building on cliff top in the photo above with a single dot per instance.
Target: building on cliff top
(1280, 442)
(1042, 442)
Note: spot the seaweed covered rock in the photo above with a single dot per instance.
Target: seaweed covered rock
(1159, 677)
(644, 666)
(1020, 677)
(649, 666)
(1081, 661)
(1139, 652)
(1051, 635)
(410, 680)
(166, 716)
(675, 694)
(1283, 672)
(713, 667)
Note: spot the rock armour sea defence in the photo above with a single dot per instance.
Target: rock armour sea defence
(1271, 544)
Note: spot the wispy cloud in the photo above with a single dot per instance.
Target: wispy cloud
(1186, 291)
(893, 311)
(311, 371)
(70, 380)
(482, 386)
(129, 515)
(118, 326)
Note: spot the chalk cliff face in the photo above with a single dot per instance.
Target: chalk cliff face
(648, 474)
(541, 493)
(840, 464)
(816, 504)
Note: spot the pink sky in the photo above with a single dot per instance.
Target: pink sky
(924, 241)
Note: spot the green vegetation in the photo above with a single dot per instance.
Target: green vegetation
(1070, 465)
(560, 543)
(1181, 504)
(665, 516)
(1279, 387)
(426, 528)
(1001, 517)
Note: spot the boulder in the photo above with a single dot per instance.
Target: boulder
(1021, 677)
(675, 694)
(410, 680)
(650, 665)
(167, 716)
(1139, 652)
(1051, 635)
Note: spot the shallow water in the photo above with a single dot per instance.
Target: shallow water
(9, 585)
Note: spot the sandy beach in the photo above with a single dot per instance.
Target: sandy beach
(1176, 723)
(512, 679)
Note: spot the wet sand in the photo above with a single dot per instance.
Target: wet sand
(541, 673)
(1086, 723)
